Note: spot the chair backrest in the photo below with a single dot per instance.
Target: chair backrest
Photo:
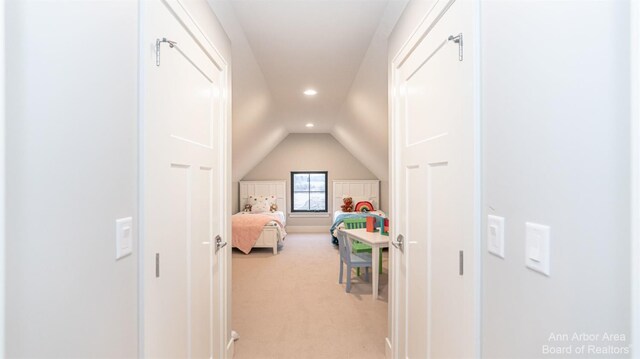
(345, 246)
(353, 223)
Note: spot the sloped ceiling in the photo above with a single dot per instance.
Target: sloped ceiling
(282, 47)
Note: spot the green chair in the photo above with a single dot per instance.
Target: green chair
(359, 247)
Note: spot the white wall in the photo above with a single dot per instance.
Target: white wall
(635, 174)
(556, 152)
(2, 183)
(411, 17)
(555, 113)
(71, 165)
(362, 123)
(253, 105)
(309, 152)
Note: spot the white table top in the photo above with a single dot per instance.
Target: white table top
(372, 238)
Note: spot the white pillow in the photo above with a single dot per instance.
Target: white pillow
(259, 204)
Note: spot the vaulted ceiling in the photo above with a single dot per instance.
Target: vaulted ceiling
(283, 47)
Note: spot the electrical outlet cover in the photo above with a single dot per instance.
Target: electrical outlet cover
(495, 235)
(124, 237)
(538, 247)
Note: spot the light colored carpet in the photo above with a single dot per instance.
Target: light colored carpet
(291, 306)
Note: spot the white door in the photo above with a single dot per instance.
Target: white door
(182, 186)
(435, 198)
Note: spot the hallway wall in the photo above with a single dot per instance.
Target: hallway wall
(362, 122)
(3, 237)
(254, 109)
(72, 158)
(71, 165)
(556, 152)
(555, 114)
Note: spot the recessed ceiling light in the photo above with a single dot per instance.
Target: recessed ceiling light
(309, 125)
(310, 92)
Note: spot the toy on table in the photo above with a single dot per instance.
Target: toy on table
(373, 224)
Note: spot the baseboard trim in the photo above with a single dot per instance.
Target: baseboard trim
(231, 347)
(387, 349)
(307, 229)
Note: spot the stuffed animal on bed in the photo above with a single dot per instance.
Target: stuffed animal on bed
(348, 204)
(274, 207)
(247, 208)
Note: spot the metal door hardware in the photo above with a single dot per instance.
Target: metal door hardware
(399, 242)
(157, 265)
(219, 244)
(158, 42)
(458, 40)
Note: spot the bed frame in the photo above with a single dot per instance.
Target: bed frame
(358, 189)
(270, 235)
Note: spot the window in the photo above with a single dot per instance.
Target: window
(309, 191)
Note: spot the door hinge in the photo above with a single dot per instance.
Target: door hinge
(458, 40)
(461, 262)
(158, 42)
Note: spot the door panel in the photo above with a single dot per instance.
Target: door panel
(201, 257)
(435, 143)
(169, 238)
(416, 257)
(182, 192)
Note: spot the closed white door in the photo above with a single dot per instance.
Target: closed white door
(435, 198)
(183, 111)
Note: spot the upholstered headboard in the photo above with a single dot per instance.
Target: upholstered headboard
(368, 190)
(264, 188)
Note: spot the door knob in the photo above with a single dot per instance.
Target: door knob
(399, 242)
(219, 244)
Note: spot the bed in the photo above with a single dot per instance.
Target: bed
(273, 232)
(359, 190)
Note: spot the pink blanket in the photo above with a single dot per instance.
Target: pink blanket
(246, 229)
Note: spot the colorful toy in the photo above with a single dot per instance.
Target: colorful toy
(364, 206)
(375, 224)
(383, 224)
(371, 224)
(348, 204)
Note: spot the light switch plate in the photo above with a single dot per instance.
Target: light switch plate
(495, 235)
(538, 247)
(124, 237)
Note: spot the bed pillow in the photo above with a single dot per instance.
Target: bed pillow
(364, 206)
(259, 204)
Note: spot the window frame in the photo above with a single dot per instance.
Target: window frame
(326, 191)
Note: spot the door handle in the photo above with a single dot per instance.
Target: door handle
(399, 242)
(219, 244)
